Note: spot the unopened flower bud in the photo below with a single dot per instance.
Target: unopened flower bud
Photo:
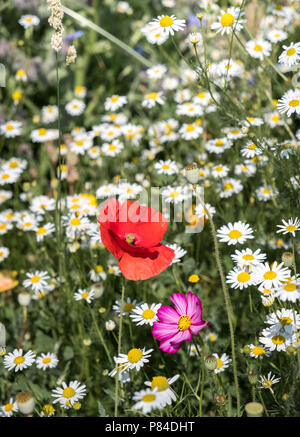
(192, 173)
(290, 350)
(254, 409)
(211, 362)
(24, 298)
(25, 402)
(245, 129)
(110, 325)
(98, 289)
(252, 377)
(287, 259)
(220, 399)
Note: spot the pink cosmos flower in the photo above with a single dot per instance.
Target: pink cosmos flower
(177, 325)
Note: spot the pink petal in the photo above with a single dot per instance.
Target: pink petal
(163, 331)
(167, 314)
(195, 329)
(179, 302)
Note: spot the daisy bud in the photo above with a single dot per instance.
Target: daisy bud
(254, 409)
(97, 289)
(290, 350)
(210, 362)
(25, 402)
(24, 298)
(252, 377)
(220, 399)
(245, 129)
(287, 259)
(77, 406)
(110, 325)
(192, 173)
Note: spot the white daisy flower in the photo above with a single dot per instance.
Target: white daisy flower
(161, 385)
(80, 91)
(284, 320)
(49, 113)
(258, 48)
(144, 314)
(289, 291)
(11, 128)
(37, 281)
(44, 231)
(190, 131)
(134, 359)
(67, 395)
(202, 212)
(5, 195)
(4, 253)
(128, 306)
(237, 232)
(274, 341)
(228, 187)
(239, 278)
(114, 102)
(268, 381)
(148, 400)
(229, 21)
(46, 361)
(18, 361)
(151, 99)
(219, 171)
(156, 72)
(289, 102)
(222, 362)
(250, 150)
(87, 295)
(9, 408)
(258, 351)
(173, 194)
(158, 37)
(218, 145)
(97, 273)
(166, 24)
(289, 227)
(266, 193)
(290, 55)
(270, 276)
(112, 149)
(276, 35)
(179, 252)
(246, 257)
(75, 107)
(81, 144)
(9, 176)
(168, 167)
(29, 21)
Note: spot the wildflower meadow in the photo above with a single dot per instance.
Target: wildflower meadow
(149, 208)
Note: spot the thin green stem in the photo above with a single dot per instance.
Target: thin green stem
(119, 348)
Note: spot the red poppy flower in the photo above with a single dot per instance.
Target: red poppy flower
(132, 233)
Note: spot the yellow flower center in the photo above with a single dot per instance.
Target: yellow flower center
(194, 278)
(165, 167)
(174, 194)
(228, 186)
(275, 118)
(234, 234)
(68, 392)
(148, 314)
(227, 19)
(184, 323)
(85, 295)
(257, 48)
(159, 382)
(46, 360)
(9, 127)
(166, 21)
(135, 355)
(152, 96)
(219, 143)
(19, 360)
(243, 277)
(248, 257)
(8, 407)
(294, 103)
(257, 350)
(112, 147)
(290, 228)
(35, 279)
(190, 128)
(290, 287)
(128, 307)
(285, 321)
(115, 99)
(79, 143)
(278, 339)
(99, 269)
(219, 363)
(270, 275)
(75, 221)
(148, 398)
(41, 231)
(42, 131)
(291, 51)
(48, 409)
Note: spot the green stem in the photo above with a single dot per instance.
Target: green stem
(119, 348)
(227, 301)
(101, 336)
